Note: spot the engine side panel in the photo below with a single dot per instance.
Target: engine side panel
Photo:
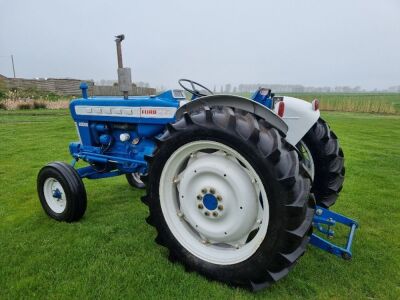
(117, 134)
(148, 110)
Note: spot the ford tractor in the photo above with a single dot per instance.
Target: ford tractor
(235, 186)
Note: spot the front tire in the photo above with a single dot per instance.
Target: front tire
(229, 198)
(61, 192)
(135, 181)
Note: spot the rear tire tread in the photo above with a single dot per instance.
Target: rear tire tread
(289, 174)
(329, 163)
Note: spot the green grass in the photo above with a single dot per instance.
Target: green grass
(110, 253)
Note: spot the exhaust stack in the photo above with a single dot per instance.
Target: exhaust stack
(124, 74)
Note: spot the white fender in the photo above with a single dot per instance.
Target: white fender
(299, 116)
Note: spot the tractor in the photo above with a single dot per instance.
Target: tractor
(235, 186)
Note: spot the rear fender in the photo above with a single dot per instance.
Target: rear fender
(299, 116)
(236, 102)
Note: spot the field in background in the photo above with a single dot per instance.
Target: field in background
(385, 103)
(110, 253)
(371, 103)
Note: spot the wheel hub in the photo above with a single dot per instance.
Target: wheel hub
(57, 194)
(214, 192)
(54, 195)
(210, 201)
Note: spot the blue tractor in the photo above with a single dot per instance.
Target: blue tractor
(235, 186)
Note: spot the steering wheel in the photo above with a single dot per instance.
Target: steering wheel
(195, 92)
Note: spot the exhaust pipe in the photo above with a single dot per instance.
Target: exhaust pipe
(124, 74)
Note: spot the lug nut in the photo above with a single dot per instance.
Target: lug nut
(204, 191)
(219, 198)
(207, 213)
(212, 191)
(220, 207)
(215, 214)
(199, 197)
(200, 206)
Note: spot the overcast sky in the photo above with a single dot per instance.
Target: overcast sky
(318, 43)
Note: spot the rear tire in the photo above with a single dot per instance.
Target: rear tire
(328, 160)
(61, 192)
(230, 144)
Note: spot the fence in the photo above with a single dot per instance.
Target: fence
(105, 90)
(69, 87)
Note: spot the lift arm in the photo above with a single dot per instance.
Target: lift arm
(323, 222)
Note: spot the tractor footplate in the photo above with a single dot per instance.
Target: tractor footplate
(323, 222)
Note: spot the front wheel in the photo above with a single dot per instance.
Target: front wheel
(61, 192)
(229, 198)
(135, 181)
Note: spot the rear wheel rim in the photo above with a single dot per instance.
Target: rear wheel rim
(307, 158)
(54, 195)
(214, 202)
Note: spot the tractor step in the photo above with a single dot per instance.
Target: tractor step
(323, 222)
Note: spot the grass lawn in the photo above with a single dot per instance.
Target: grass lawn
(110, 253)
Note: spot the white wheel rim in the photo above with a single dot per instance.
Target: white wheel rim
(309, 161)
(188, 179)
(54, 195)
(136, 177)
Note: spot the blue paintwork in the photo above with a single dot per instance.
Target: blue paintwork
(100, 143)
(210, 201)
(57, 194)
(92, 173)
(323, 222)
(264, 97)
(130, 102)
(105, 139)
(84, 88)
